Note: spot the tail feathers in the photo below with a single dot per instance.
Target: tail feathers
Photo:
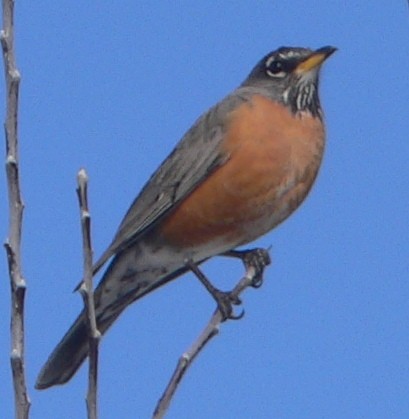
(70, 353)
(72, 350)
(67, 357)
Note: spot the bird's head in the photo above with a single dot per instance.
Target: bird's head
(291, 77)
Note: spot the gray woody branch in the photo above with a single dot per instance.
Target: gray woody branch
(13, 242)
(87, 291)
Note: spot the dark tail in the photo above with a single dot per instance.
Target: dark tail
(67, 357)
(72, 350)
(70, 353)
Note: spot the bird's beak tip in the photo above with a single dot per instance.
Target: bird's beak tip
(315, 59)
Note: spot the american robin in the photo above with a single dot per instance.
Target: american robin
(241, 169)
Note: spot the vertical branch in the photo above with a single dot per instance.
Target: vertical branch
(87, 291)
(13, 242)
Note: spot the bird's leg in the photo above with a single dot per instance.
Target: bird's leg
(224, 300)
(257, 258)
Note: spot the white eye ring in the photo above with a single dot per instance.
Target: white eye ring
(280, 73)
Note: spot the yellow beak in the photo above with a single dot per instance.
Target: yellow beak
(314, 60)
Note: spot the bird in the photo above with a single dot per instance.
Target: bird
(242, 168)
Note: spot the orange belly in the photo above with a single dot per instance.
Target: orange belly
(273, 160)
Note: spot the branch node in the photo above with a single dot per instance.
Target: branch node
(15, 75)
(11, 160)
(15, 354)
(185, 357)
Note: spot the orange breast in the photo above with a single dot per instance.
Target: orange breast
(273, 160)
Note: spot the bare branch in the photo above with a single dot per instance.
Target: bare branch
(87, 291)
(255, 261)
(13, 242)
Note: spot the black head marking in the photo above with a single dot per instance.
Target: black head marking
(290, 75)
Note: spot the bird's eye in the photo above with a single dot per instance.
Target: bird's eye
(275, 68)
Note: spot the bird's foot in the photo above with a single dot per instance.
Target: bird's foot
(224, 300)
(257, 259)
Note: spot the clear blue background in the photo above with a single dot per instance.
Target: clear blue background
(112, 86)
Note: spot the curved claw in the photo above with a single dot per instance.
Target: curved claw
(256, 258)
(225, 302)
(238, 316)
(234, 299)
(257, 282)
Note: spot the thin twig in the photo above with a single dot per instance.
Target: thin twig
(87, 291)
(13, 242)
(255, 262)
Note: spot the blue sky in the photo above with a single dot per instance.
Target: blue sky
(112, 86)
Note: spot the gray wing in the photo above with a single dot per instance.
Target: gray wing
(196, 156)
